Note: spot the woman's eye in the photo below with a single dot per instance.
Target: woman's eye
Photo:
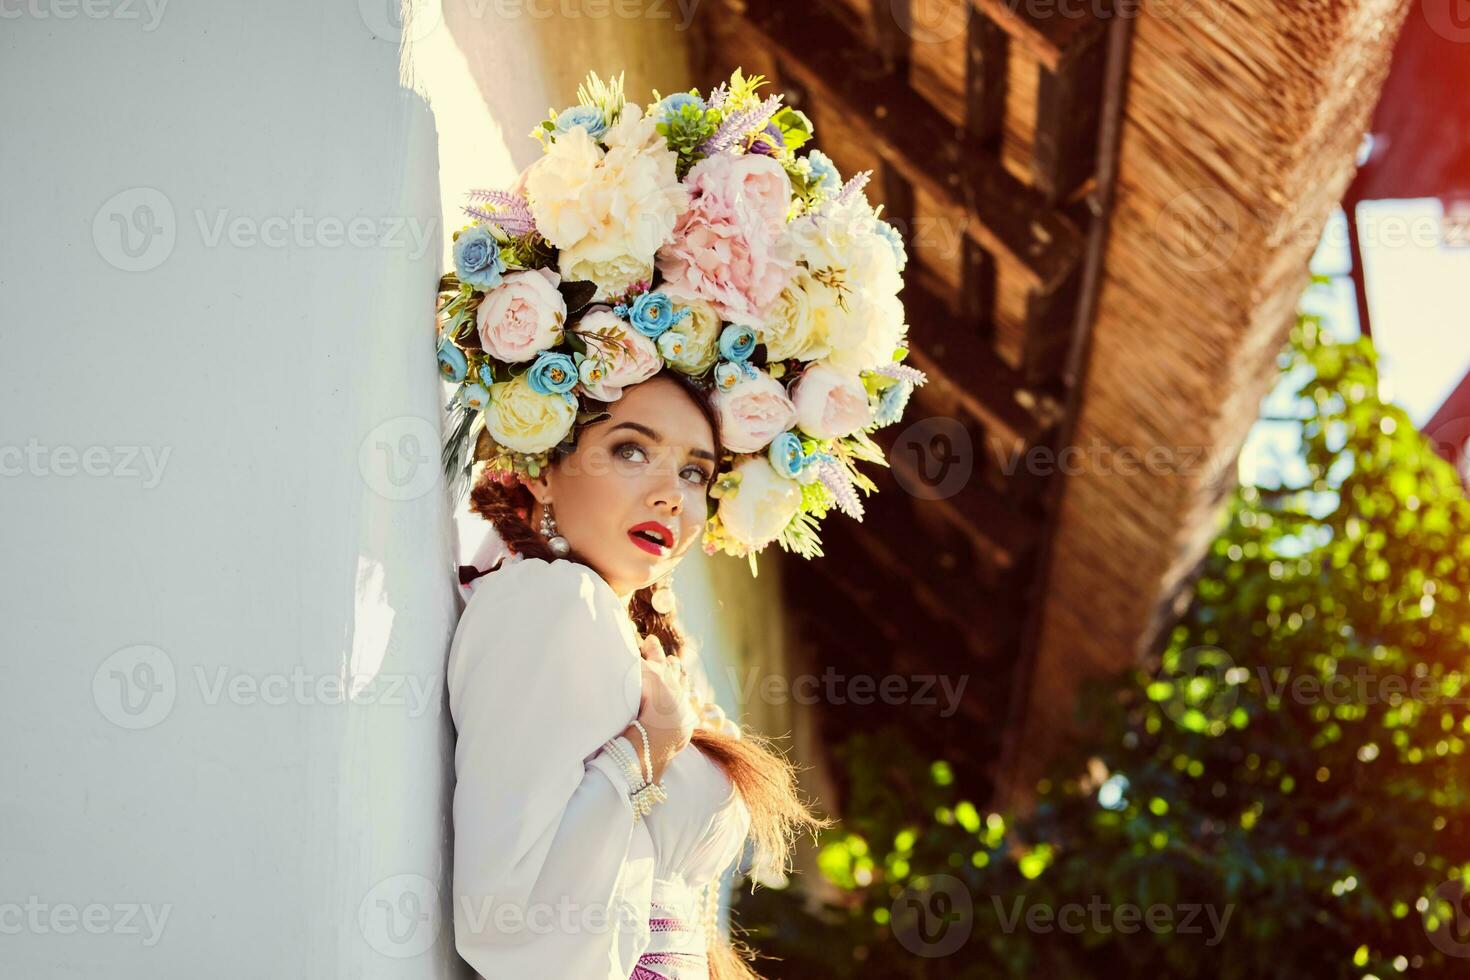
(696, 475)
(631, 451)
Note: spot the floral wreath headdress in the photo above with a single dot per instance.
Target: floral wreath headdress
(689, 235)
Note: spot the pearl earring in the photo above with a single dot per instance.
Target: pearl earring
(558, 544)
(662, 599)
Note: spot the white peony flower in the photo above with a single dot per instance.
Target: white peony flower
(790, 329)
(608, 211)
(761, 506)
(862, 329)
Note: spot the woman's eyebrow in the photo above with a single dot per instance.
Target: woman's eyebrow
(650, 433)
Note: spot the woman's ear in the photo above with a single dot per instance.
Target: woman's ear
(539, 486)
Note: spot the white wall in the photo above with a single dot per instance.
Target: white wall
(219, 497)
(258, 547)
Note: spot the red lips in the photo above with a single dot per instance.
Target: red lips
(651, 536)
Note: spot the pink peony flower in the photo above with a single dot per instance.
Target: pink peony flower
(627, 357)
(752, 413)
(829, 403)
(732, 246)
(522, 316)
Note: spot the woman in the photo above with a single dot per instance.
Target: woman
(568, 644)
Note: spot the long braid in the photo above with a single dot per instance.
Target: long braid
(764, 778)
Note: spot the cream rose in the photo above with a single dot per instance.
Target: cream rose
(520, 419)
(761, 506)
(865, 334)
(701, 330)
(522, 316)
(627, 356)
(829, 403)
(608, 211)
(790, 330)
(753, 412)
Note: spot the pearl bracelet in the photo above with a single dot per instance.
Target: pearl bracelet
(625, 762)
(646, 793)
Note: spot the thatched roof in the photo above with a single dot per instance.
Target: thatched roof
(1239, 138)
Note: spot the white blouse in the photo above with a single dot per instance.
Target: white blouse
(553, 875)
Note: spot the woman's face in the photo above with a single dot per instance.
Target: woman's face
(642, 474)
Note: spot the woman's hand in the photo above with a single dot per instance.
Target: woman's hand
(664, 709)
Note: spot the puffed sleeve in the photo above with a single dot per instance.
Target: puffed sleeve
(544, 669)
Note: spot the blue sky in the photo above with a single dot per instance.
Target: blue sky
(1417, 293)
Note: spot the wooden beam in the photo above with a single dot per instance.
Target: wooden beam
(986, 55)
(1003, 215)
(1068, 117)
(955, 351)
(1052, 32)
(1001, 536)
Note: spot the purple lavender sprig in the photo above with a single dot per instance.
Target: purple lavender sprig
(511, 212)
(854, 185)
(734, 128)
(903, 372)
(836, 479)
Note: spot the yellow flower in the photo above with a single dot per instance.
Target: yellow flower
(521, 420)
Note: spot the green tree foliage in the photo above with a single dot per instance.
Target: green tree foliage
(1292, 766)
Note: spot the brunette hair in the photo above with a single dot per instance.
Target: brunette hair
(760, 772)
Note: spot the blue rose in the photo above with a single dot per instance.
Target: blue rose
(786, 456)
(589, 118)
(737, 341)
(653, 313)
(452, 362)
(727, 375)
(891, 403)
(895, 241)
(552, 374)
(671, 344)
(475, 396)
(824, 173)
(477, 258)
(670, 105)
